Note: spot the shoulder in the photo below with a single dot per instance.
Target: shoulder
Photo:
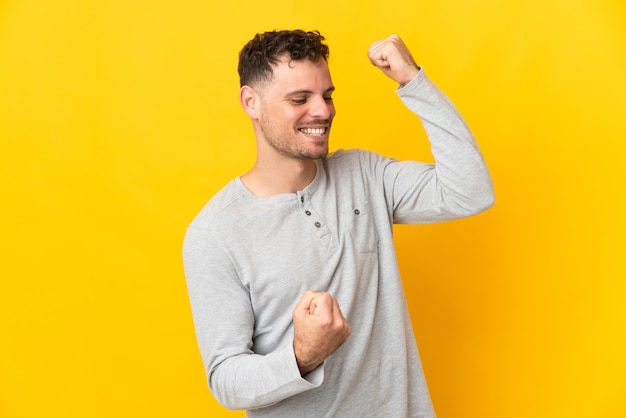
(355, 156)
(356, 160)
(210, 228)
(219, 205)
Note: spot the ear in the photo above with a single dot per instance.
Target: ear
(250, 101)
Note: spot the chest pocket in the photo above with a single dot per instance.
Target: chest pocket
(363, 229)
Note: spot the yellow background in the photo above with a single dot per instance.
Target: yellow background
(119, 119)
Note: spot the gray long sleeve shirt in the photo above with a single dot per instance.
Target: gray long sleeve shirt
(248, 261)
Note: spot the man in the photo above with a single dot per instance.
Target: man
(292, 276)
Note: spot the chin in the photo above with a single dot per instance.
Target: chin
(319, 154)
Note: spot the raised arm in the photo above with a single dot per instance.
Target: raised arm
(458, 184)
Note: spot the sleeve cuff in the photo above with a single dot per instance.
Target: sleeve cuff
(413, 84)
(315, 377)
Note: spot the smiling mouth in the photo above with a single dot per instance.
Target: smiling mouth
(314, 131)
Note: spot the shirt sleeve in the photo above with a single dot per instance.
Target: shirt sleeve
(458, 184)
(224, 323)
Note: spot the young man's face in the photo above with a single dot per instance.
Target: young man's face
(297, 109)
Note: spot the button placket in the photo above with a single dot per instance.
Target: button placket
(311, 215)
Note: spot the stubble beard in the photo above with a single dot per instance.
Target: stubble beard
(289, 145)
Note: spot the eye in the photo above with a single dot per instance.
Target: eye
(298, 100)
(328, 99)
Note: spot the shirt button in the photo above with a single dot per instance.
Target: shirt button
(356, 211)
(302, 199)
(308, 213)
(318, 225)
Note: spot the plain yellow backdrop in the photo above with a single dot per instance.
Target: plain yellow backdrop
(119, 119)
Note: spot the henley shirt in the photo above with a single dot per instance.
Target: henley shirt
(249, 260)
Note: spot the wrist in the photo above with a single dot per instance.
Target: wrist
(410, 77)
(304, 365)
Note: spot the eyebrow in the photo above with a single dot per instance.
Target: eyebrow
(308, 92)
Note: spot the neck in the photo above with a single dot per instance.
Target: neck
(287, 176)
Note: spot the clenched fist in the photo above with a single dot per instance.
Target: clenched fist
(319, 329)
(394, 59)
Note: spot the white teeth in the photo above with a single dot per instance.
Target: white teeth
(313, 131)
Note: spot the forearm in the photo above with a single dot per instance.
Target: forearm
(238, 377)
(254, 381)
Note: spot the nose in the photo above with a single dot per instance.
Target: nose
(321, 108)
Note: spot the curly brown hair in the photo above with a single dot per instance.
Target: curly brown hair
(265, 49)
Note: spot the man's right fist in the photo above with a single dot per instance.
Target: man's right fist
(319, 329)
